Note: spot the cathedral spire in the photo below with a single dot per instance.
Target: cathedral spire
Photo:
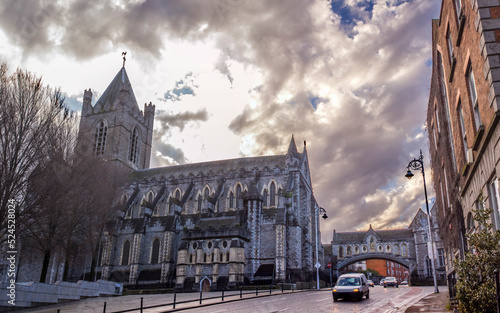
(119, 92)
(292, 148)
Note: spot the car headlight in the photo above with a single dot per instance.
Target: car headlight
(334, 290)
(356, 290)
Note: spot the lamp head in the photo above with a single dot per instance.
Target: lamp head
(409, 174)
(325, 216)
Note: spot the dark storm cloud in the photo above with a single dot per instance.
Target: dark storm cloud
(179, 120)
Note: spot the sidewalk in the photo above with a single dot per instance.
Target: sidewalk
(435, 302)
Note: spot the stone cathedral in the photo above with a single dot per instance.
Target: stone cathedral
(217, 224)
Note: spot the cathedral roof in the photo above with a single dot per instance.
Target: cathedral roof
(119, 89)
(214, 166)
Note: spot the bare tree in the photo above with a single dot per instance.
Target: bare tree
(30, 114)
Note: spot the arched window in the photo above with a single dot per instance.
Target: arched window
(238, 195)
(272, 195)
(134, 146)
(126, 253)
(155, 251)
(348, 250)
(231, 200)
(470, 221)
(428, 266)
(177, 194)
(403, 249)
(396, 249)
(265, 204)
(341, 252)
(200, 200)
(100, 138)
(206, 195)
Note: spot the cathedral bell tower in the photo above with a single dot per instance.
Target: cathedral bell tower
(115, 128)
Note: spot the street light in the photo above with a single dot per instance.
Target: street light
(418, 164)
(318, 265)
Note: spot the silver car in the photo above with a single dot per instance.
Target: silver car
(353, 286)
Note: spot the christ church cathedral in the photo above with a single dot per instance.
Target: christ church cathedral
(218, 224)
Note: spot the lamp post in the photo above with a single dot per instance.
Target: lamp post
(418, 164)
(318, 265)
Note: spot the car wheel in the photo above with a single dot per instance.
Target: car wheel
(368, 295)
(385, 286)
(335, 299)
(397, 286)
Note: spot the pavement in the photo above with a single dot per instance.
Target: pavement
(434, 302)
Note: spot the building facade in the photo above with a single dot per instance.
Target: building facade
(204, 225)
(462, 119)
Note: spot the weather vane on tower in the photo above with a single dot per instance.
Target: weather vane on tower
(124, 54)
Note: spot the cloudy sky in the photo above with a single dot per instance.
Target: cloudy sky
(234, 78)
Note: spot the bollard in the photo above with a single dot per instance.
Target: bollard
(270, 288)
(175, 297)
(104, 309)
(222, 295)
(142, 299)
(201, 294)
(281, 288)
(256, 291)
(241, 293)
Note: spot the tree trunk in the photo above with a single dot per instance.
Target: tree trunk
(45, 265)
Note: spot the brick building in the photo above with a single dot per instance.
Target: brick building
(388, 269)
(462, 119)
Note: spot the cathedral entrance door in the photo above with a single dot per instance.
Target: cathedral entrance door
(205, 285)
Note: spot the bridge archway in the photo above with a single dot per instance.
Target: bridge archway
(368, 256)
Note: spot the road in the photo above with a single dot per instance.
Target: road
(388, 300)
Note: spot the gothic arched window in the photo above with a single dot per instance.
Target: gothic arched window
(272, 194)
(155, 251)
(126, 253)
(341, 252)
(231, 200)
(206, 195)
(265, 204)
(238, 194)
(199, 202)
(134, 146)
(100, 138)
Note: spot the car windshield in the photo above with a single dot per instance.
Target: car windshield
(348, 281)
(390, 279)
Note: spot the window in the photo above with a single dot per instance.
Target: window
(272, 194)
(450, 44)
(341, 252)
(100, 138)
(428, 266)
(473, 96)
(442, 197)
(403, 249)
(134, 146)
(494, 201)
(444, 94)
(206, 196)
(435, 137)
(458, 7)
(265, 204)
(446, 187)
(126, 253)
(348, 250)
(238, 194)
(231, 200)
(441, 257)
(462, 128)
(200, 200)
(155, 251)
(436, 114)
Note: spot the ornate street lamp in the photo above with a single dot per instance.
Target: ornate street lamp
(418, 164)
(318, 265)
